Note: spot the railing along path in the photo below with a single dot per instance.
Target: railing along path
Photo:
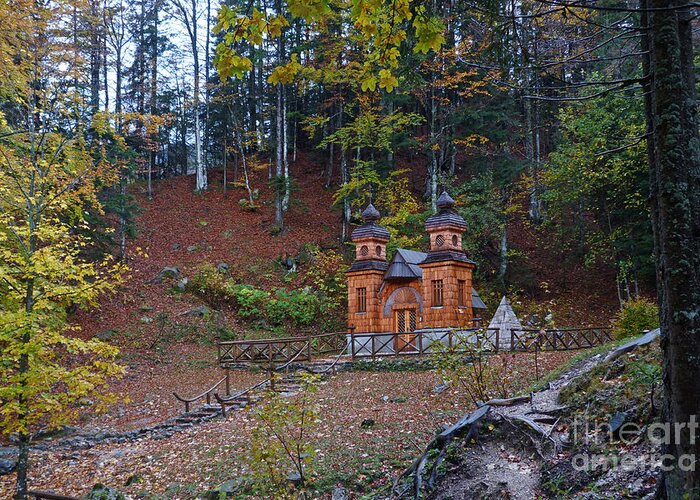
(280, 354)
(373, 345)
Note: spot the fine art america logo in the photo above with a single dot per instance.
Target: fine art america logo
(628, 434)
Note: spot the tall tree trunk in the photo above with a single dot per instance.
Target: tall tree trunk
(285, 152)
(674, 154)
(207, 92)
(503, 254)
(105, 66)
(95, 56)
(140, 60)
(253, 99)
(327, 130)
(123, 171)
(344, 179)
(279, 179)
(433, 166)
(244, 164)
(201, 168)
(224, 156)
(153, 91)
(24, 436)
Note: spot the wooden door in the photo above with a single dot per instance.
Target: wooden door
(405, 324)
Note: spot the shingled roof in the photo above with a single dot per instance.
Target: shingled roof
(370, 229)
(404, 265)
(477, 303)
(447, 215)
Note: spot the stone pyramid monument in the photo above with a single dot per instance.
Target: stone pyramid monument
(504, 320)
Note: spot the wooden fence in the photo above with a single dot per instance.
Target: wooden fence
(374, 345)
(272, 351)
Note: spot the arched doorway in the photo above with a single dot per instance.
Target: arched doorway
(404, 305)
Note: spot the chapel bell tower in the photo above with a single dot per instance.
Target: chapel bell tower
(447, 272)
(366, 274)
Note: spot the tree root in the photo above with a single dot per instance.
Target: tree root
(508, 402)
(440, 443)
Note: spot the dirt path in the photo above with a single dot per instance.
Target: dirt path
(505, 461)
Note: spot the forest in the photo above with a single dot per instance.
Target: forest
(196, 170)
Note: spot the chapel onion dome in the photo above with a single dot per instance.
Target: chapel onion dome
(370, 229)
(447, 216)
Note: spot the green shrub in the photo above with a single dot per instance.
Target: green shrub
(636, 316)
(280, 441)
(250, 301)
(281, 308)
(209, 284)
(298, 307)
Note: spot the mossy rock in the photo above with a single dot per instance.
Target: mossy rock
(103, 492)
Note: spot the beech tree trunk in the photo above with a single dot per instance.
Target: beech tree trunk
(279, 179)
(674, 157)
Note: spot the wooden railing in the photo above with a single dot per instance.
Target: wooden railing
(273, 351)
(483, 340)
(560, 339)
(373, 345)
(206, 394)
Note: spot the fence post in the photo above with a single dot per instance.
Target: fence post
(512, 340)
(228, 382)
(308, 345)
(269, 366)
(373, 347)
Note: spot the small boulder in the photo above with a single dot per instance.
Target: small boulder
(146, 320)
(103, 492)
(294, 477)
(440, 388)
(106, 335)
(200, 311)
(8, 452)
(166, 272)
(175, 246)
(7, 466)
(340, 493)
(222, 267)
(226, 489)
(367, 423)
(182, 284)
(192, 248)
(616, 422)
